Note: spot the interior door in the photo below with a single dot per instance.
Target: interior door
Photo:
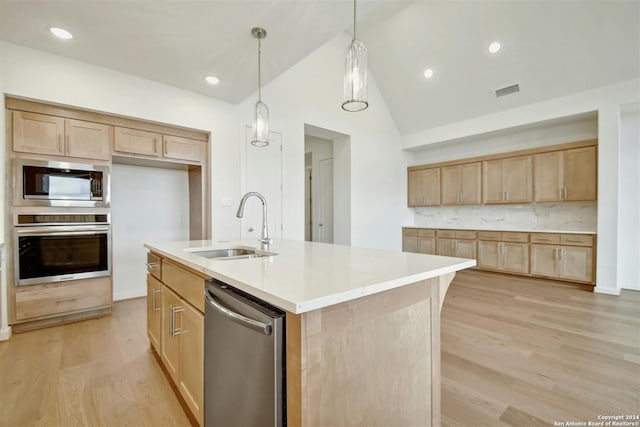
(263, 173)
(325, 201)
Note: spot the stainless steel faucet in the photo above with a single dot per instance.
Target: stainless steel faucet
(264, 240)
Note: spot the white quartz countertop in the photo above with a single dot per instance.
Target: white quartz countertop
(519, 230)
(306, 276)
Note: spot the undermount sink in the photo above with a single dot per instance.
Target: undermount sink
(230, 253)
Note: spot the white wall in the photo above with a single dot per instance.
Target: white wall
(147, 205)
(311, 92)
(5, 331)
(629, 178)
(606, 101)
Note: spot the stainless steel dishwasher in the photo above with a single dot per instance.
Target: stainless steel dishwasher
(244, 360)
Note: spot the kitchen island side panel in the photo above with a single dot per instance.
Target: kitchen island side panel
(370, 361)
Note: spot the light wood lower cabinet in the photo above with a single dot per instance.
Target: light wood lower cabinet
(507, 252)
(573, 263)
(176, 331)
(154, 312)
(419, 240)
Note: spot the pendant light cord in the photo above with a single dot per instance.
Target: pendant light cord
(354, 19)
(259, 84)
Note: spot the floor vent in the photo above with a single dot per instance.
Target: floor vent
(508, 90)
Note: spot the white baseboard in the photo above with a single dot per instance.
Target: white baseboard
(631, 286)
(606, 291)
(5, 334)
(130, 294)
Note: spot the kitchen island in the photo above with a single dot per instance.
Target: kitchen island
(362, 325)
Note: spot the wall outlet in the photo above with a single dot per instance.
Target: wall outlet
(225, 202)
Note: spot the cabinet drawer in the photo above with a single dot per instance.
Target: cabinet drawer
(515, 237)
(449, 234)
(80, 295)
(413, 232)
(188, 285)
(489, 235)
(545, 238)
(466, 234)
(576, 239)
(153, 265)
(427, 233)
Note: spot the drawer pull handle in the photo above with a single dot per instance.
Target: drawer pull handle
(152, 265)
(67, 299)
(575, 241)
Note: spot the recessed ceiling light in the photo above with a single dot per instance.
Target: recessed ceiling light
(61, 33)
(494, 47)
(428, 73)
(212, 80)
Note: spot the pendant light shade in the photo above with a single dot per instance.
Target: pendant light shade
(355, 73)
(261, 119)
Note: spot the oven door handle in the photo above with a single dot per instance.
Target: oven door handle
(60, 231)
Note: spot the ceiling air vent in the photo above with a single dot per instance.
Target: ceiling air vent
(507, 90)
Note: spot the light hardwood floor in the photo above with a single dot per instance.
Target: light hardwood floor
(525, 352)
(515, 352)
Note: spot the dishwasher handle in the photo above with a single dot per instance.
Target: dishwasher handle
(237, 317)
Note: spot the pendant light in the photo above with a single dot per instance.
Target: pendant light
(355, 73)
(261, 123)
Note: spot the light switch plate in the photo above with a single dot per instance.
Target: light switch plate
(225, 202)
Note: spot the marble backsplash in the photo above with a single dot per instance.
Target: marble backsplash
(540, 216)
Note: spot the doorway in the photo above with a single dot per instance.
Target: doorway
(327, 186)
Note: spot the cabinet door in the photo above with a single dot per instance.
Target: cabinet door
(446, 247)
(414, 188)
(492, 191)
(139, 142)
(466, 249)
(515, 257)
(175, 147)
(423, 187)
(427, 246)
(470, 184)
(576, 263)
(450, 185)
(580, 174)
(488, 254)
(170, 341)
(548, 176)
(88, 140)
(410, 243)
(543, 260)
(154, 312)
(38, 133)
(192, 359)
(516, 179)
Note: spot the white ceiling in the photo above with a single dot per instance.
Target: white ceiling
(551, 48)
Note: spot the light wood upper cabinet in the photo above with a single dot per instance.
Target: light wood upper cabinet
(424, 187)
(38, 133)
(138, 142)
(461, 184)
(507, 180)
(568, 175)
(175, 147)
(88, 140)
(44, 134)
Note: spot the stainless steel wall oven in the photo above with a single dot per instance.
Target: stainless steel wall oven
(59, 247)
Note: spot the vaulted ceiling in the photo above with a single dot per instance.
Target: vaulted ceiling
(550, 48)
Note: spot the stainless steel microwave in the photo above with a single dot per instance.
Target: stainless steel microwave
(60, 184)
